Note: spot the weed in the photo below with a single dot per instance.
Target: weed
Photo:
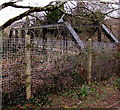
(70, 92)
(84, 90)
(117, 83)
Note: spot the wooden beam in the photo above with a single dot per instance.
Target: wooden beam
(99, 34)
(74, 35)
(10, 34)
(44, 40)
(109, 34)
(40, 27)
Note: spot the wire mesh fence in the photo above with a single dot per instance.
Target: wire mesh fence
(55, 66)
(1, 70)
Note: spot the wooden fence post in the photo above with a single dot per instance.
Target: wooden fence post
(44, 38)
(89, 60)
(28, 66)
(99, 34)
(1, 51)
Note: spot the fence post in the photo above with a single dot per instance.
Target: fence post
(89, 60)
(99, 34)
(28, 66)
(44, 38)
(1, 51)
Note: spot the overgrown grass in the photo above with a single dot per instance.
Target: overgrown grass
(64, 78)
(76, 97)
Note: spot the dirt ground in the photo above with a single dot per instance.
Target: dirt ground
(112, 101)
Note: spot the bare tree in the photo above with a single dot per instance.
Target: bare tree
(30, 10)
(91, 13)
(93, 10)
(96, 9)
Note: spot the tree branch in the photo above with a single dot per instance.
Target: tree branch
(113, 17)
(34, 9)
(12, 4)
(41, 21)
(4, 5)
(112, 11)
(115, 3)
(75, 16)
(18, 6)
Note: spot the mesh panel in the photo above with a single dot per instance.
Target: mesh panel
(56, 65)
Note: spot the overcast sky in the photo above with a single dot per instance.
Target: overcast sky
(10, 12)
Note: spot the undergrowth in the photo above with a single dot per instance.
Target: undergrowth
(79, 96)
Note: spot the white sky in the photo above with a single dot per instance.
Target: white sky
(10, 12)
